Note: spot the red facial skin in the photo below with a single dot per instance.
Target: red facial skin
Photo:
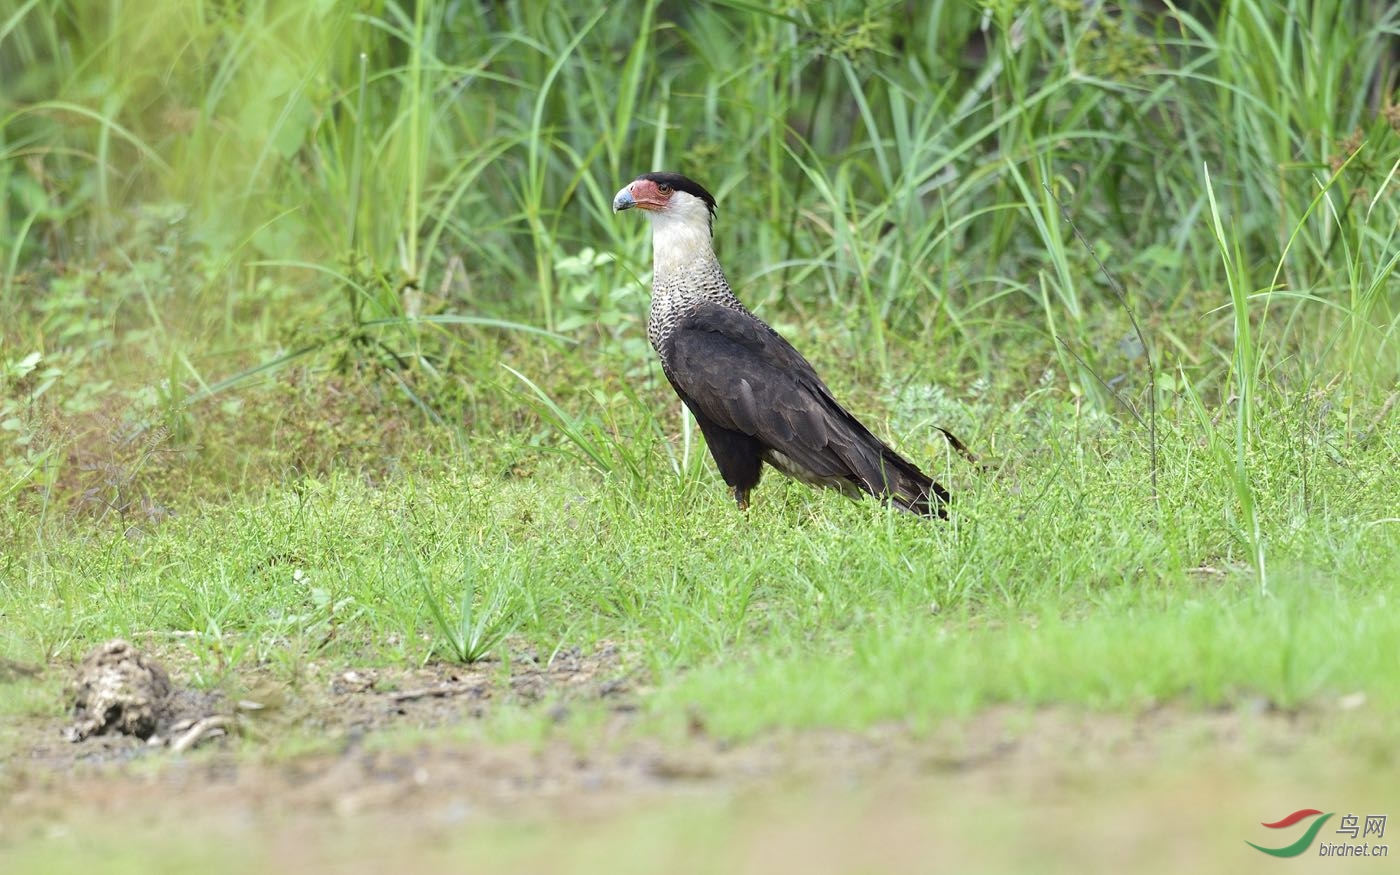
(649, 195)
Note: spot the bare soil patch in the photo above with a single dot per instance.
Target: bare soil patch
(125, 706)
(393, 754)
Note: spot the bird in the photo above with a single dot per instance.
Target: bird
(756, 399)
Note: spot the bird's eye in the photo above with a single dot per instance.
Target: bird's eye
(663, 187)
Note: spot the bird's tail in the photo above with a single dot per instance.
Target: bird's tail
(875, 468)
(908, 487)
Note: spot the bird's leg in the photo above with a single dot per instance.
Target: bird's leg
(741, 497)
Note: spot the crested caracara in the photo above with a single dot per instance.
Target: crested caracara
(754, 396)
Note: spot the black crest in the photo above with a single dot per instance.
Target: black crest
(680, 182)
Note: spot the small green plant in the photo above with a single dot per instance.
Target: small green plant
(478, 622)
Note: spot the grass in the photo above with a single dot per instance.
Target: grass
(1059, 579)
(320, 343)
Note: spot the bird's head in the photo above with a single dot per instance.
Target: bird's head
(670, 200)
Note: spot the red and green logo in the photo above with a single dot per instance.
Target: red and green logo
(1303, 843)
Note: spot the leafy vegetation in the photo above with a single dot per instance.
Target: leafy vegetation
(320, 340)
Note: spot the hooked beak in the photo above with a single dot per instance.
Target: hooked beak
(623, 200)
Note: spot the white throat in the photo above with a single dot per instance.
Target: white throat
(680, 235)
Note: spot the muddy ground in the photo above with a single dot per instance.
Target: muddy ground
(359, 769)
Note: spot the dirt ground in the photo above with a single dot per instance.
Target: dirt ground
(367, 770)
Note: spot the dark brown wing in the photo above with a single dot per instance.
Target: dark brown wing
(736, 372)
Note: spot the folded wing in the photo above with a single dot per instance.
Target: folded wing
(741, 376)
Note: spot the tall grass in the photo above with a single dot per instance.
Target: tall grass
(887, 171)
